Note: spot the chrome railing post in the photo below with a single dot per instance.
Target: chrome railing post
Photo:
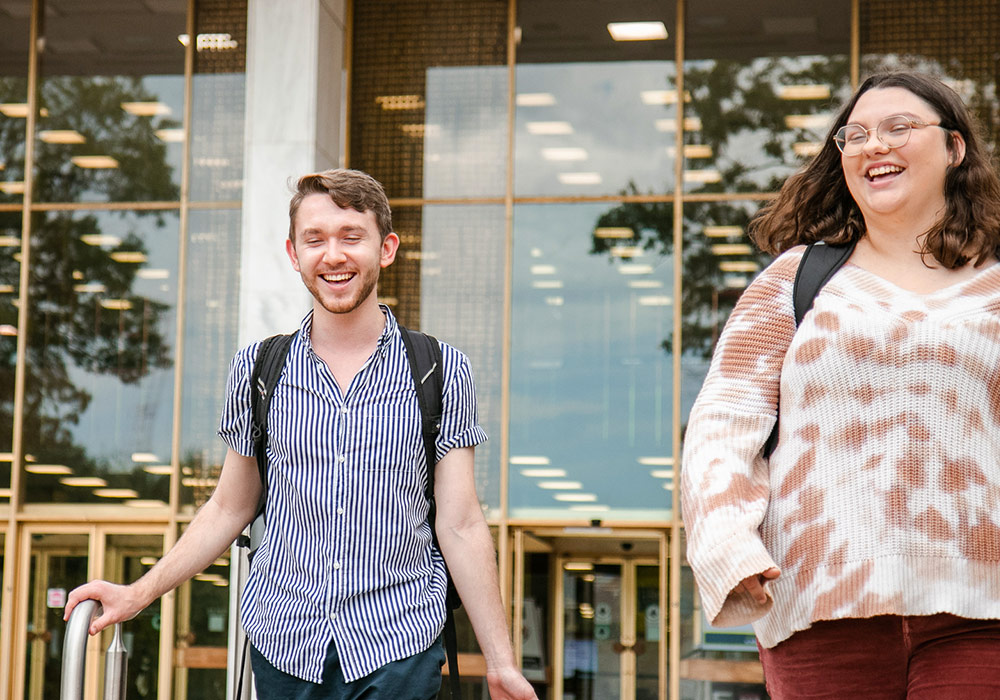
(115, 668)
(75, 650)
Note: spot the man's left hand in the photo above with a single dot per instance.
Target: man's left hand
(509, 684)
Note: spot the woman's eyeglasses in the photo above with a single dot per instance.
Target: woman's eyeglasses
(892, 132)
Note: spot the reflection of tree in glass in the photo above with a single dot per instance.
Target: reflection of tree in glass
(83, 310)
(92, 106)
(706, 298)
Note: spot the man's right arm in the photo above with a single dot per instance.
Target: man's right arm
(232, 505)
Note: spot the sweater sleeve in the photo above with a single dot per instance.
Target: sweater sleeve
(724, 478)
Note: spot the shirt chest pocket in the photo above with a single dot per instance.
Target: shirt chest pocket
(380, 439)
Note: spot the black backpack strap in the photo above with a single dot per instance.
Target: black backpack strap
(423, 352)
(818, 264)
(264, 377)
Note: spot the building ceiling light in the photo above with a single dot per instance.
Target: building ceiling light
(578, 566)
(613, 232)
(807, 149)
(399, 102)
(635, 269)
(14, 110)
(662, 97)
(637, 31)
(128, 256)
(529, 460)
(625, 251)
(656, 461)
(83, 481)
(558, 485)
(418, 130)
(146, 109)
(549, 128)
(158, 469)
(47, 469)
(153, 273)
(547, 284)
(116, 304)
(658, 300)
(14, 187)
(668, 124)
(804, 92)
(94, 162)
(808, 121)
(116, 493)
(704, 177)
(535, 99)
(732, 249)
(90, 288)
(645, 284)
(555, 301)
(564, 153)
(219, 41)
(100, 239)
(697, 150)
(586, 178)
(61, 136)
(543, 269)
(735, 282)
(544, 473)
(7, 329)
(170, 135)
(739, 266)
(722, 231)
(144, 457)
(6, 289)
(662, 473)
(575, 497)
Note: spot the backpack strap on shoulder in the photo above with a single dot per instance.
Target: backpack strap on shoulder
(819, 263)
(263, 379)
(423, 352)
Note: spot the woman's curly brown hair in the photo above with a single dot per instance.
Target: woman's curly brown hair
(815, 204)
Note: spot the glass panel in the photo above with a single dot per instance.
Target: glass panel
(10, 285)
(594, 115)
(210, 328)
(127, 557)
(590, 368)
(763, 86)
(218, 92)
(647, 632)
(459, 256)
(428, 118)
(58, 565)
(592, 627)
(99, 385)
(14, 41)
(535, 662)
(958, 45)
(202, 634)
(111, 98)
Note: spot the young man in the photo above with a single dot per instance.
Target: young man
(346, 594)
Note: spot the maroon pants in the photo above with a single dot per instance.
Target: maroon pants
(935, 657)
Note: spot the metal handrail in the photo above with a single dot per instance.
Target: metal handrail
(75, 656)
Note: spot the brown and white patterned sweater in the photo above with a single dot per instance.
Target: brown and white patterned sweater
(883, 495)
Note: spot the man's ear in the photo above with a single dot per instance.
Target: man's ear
(390, 244)
(290, 249)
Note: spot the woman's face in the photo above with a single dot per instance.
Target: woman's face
(904, 184)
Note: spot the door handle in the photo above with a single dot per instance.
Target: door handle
(638, 647)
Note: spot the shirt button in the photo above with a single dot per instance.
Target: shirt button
(343, 409)
(340, 511)
(333, 616)
(341, 459)
(336, 565)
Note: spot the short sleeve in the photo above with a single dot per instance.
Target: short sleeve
(459, 420)
(234, 426)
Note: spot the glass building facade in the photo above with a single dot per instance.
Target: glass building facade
(572, 202)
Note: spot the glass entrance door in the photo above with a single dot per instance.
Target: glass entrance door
(609, 623)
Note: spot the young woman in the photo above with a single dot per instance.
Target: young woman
(866, 547)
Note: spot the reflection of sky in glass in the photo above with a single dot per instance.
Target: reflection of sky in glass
(461, 303)
(594, 128)
(122, 419)
(590, 380)
(465, 131)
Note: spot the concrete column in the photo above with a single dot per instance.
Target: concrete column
(294, 105)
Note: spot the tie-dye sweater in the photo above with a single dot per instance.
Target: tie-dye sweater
(883, 495)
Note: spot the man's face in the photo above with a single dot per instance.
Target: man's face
(338, 252)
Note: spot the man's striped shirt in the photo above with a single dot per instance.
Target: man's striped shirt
(347, 554)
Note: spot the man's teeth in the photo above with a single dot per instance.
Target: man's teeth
(884, 170)
(342, 277)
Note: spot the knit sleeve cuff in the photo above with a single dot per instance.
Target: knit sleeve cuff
(724, 601)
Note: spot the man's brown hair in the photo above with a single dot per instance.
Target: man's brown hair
(349, 189)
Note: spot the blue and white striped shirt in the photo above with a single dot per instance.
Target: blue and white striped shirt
(347, 553)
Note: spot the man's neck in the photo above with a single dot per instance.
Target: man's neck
(348, 332)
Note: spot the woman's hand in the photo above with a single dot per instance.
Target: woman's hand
(754, 585)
